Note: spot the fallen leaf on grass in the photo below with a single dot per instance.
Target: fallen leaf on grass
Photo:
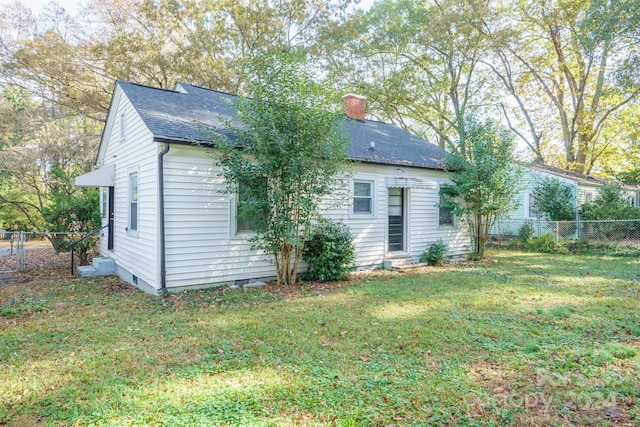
(364, 358)
(613, 413)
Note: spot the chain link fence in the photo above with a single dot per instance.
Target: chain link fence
(614, 232)
(20, 250)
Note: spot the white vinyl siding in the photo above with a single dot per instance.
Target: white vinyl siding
(135, 252)
(202, 248)
(422, 220)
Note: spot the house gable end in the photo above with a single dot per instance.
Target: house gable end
(118, 98)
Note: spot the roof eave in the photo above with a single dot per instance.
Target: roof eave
(397, 164)
(185, 141)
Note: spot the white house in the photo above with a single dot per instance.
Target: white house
(170, 226)
(584, 190)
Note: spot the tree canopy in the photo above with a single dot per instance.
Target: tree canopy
(285, 158)
(563, 76)
(555, 199)
(485, 181)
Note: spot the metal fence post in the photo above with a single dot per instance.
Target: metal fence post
(557, 231)
(20, 251)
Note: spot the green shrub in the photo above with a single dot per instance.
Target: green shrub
(435, 254)
(582, 246)
(525, 234)
(546, 244)
(611, 203)
(579, 246)
(329, 251)
(515, 245)
(555, 200)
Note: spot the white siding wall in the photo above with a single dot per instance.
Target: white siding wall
(135, 252)
(421, 212)
(583, 190)
(201, 250)
(529, 180)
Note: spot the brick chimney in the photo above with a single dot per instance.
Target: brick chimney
(354, 106)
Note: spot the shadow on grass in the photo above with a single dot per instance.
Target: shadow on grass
(391, 349)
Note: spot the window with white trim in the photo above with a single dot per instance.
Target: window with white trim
(245, 220)
(133, 202)
(363, 197)
(445, 212)
(532, 206)
(588, 197)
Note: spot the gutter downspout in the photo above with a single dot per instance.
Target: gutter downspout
(163, 266)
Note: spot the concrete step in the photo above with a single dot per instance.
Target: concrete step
(393, 263)
(101, 266)
(105, 266)
(86, 271)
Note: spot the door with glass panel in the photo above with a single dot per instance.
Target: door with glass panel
(396, 234)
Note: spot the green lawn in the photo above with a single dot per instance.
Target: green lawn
(525, 339)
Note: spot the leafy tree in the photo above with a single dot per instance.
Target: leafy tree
(160, 42)
(75, 211)
(630, 177)
(555, 199)
(47, 139)
(292, 151)
(485, 182)
(612, 202)
(417, 63)
(574, 58)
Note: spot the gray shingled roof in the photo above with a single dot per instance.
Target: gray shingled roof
(586, 179)
(182, 114)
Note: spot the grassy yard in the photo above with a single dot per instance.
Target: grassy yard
(525, 339)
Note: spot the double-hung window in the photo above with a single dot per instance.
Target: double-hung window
(362, 197)
(445, 213)
(246, 219)
(588, 197)
(532, 206)
(133, 202)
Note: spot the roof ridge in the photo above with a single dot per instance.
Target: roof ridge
(380, 121)
(147, 86)
(207, 88)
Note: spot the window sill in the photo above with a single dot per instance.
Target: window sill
(397, 255)
(244, 236)
(361, 215)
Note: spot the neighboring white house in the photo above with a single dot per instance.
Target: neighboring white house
(584, 190)
(171, 226)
